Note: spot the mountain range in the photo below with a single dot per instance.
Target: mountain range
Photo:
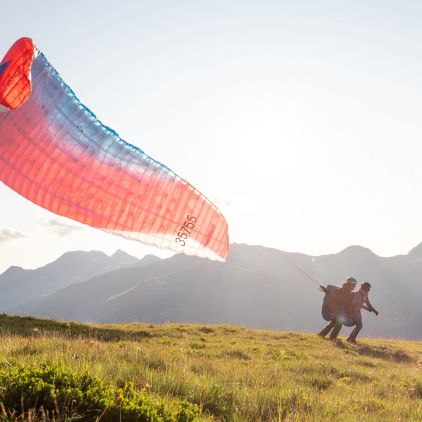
(19, 285)
(257, 287)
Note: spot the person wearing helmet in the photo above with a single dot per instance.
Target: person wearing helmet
(336, 304)
(359, 300)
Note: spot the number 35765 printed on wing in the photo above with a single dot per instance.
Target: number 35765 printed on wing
(185, 230)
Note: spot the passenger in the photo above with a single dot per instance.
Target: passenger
(359, 300)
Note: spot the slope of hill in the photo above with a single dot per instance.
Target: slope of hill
(19, 286)
(229, 372)
(259, 287)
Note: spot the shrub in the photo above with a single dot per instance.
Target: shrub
(61, 393)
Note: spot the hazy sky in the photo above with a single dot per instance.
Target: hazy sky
(300, 119)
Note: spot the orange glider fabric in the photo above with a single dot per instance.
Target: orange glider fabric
(15, 72)
(56, 153)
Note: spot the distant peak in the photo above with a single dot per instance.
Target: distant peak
(13, 270)
(123, 258)
(70, 253)
(416, 251)
(357, 250)
(13, 273)
(150, 256)
(119, 253)
(77, 254)
(149, 259)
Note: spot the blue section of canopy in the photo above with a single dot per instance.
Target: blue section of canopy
(3, 67)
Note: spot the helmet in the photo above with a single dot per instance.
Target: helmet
(351, 280)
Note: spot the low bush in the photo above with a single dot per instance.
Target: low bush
(59, 393)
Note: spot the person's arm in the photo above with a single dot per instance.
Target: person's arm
(369, 307)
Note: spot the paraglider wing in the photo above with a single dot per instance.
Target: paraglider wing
(56, 153)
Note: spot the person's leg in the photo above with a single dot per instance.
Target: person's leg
(336, 330)
(327, 328)
(358, 320)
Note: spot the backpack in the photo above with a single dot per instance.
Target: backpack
(329, 306)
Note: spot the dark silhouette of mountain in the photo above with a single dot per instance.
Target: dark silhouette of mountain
(18, 285)
(257, 286)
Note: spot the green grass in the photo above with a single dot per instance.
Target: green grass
(229, 373)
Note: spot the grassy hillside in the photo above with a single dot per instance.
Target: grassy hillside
(195, 372)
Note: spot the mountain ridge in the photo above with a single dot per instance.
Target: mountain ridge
(257, 286)
(20, 285)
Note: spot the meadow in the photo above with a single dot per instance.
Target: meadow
(61, 371)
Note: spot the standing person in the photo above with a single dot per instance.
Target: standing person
(337, 303)
(359, 300)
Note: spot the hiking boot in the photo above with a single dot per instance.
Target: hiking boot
(352, 341)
